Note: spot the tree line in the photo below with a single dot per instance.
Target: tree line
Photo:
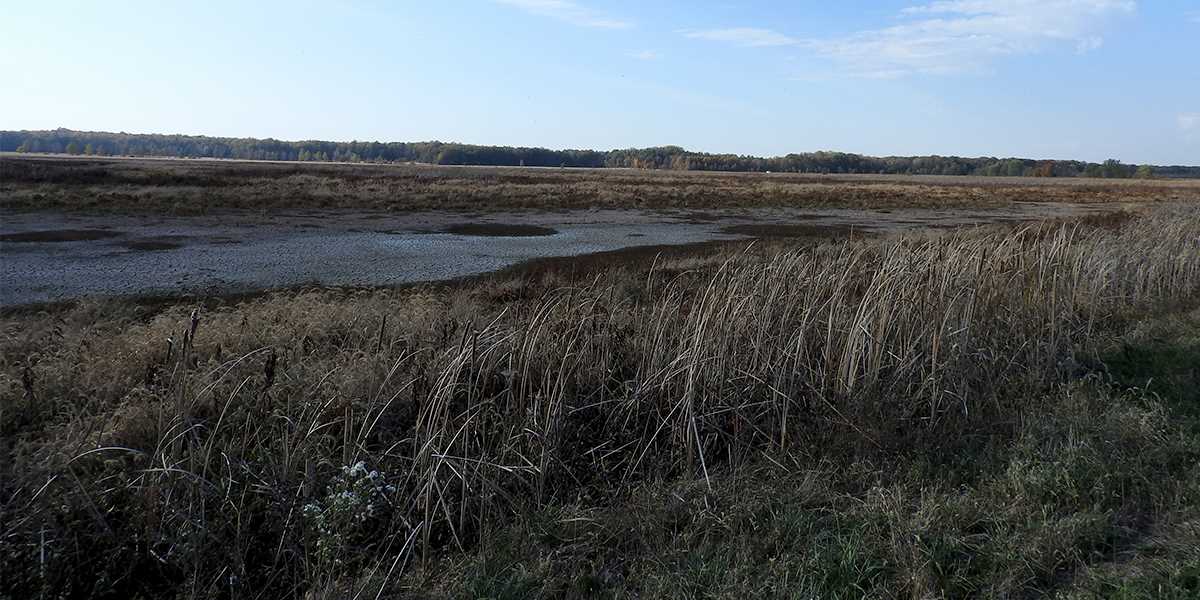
(66, 141)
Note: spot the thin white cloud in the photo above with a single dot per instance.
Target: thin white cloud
(569, 12)
(1189, 127)
(955, 36)
(644, 55)
(742, 36)
(1194, 16)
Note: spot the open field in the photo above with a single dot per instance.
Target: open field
(1004, 411)
(574, 299)
(74, 227)
(196, 186)
(917, 409)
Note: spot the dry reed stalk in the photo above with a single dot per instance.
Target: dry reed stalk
(877, 340)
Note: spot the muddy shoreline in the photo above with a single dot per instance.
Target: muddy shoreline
(54, 257)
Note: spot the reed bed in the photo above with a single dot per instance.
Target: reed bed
(155, 186)
(281, 445)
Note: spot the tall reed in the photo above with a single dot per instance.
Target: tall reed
(330, 449)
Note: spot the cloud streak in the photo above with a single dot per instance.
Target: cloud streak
(956, 36)
(950, 36)
(568, 12)
(644, 55)
(748, 37)
(1189, 126)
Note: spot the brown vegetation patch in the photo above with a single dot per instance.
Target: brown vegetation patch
(713, 407)
(60, 235)
(180, 186)
(1112, 220)
(166, 242)
(703, 217)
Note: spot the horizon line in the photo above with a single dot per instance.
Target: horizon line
(580, 149)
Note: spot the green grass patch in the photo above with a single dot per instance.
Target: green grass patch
(1162, 357)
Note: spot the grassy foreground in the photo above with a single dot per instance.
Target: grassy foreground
(989, 413)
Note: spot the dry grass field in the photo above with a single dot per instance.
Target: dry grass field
(1006, 411)
(195, 186)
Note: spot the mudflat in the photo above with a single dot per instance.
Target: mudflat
(80, 226)
(54, 256)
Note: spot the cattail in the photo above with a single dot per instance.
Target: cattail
(27, 379)
(194, 323)
(269, 370)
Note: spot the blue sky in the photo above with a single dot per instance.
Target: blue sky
(1088, 79)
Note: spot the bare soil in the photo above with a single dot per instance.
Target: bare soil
(156, 244)
(233, 252)
(60, 235)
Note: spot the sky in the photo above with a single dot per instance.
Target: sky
(1082, 79)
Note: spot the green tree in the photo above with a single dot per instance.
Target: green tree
(72, 148)
(1113, 168)
(1144, 172)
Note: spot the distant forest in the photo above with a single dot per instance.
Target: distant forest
(66, 141)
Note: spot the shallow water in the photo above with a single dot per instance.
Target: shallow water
(53, 257)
